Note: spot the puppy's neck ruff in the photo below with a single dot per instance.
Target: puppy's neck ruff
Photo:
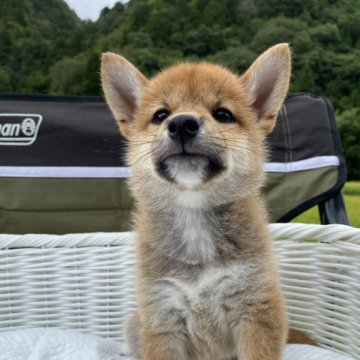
(193, 236)
(197, 236)
(189, 199)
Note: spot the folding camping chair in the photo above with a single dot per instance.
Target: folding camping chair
(71, 180)
(306, 166)
(68, 175)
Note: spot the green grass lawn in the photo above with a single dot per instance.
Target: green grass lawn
(352, 201)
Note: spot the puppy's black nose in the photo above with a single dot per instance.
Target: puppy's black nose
(183, 128)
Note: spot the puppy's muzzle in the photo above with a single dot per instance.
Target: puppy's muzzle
(186, 156)
(183, 128)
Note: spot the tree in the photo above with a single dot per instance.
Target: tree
(67, 76)
(304, 81)
(91, 85)
(349, 127)
(5, 82)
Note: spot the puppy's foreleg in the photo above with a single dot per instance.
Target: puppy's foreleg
(132, 344)
(260, 340)
(163, 347)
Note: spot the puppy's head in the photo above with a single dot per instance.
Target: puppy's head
(196, 131)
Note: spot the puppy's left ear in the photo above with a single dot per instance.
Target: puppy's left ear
(266, 84)
(123, 87)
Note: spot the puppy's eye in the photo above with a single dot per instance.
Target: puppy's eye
(159, 116)
(223, 115)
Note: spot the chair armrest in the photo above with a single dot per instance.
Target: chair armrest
(320, 274)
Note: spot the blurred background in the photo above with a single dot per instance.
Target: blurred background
(54, 46)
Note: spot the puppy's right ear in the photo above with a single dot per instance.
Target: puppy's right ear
(123, 86)
(266, 83)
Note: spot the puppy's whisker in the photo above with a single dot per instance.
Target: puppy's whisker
(142, 143)
(145, 180)
(150, 140)
(144, 157)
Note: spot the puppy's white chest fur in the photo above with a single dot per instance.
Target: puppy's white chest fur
(197, 239)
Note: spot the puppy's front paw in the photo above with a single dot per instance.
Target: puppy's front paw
(125, 350)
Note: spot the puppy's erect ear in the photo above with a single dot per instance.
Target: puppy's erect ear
(123, 87)
(266, 84)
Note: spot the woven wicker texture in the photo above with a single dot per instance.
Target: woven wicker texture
(85, 281)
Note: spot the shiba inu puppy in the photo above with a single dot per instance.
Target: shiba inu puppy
(206, 279)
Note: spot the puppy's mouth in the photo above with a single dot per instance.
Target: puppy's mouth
(189, 169)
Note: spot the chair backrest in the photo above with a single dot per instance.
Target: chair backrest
(66, 174)
(306, 165)
(62, 167)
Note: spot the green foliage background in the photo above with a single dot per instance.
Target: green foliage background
(46, 48)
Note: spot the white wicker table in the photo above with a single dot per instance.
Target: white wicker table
(85, 282)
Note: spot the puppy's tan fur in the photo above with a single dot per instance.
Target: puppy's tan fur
(206, 280)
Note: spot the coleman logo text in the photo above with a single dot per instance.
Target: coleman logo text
(19, 129)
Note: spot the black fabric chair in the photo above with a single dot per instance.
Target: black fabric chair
(62, 168)
(306, 165)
